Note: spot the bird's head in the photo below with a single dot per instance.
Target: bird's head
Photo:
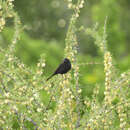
(66, 60)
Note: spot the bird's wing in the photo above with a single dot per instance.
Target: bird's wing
(59, 69)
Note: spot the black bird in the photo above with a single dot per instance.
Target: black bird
(63, 68)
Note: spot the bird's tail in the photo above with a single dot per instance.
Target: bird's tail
(50, 77)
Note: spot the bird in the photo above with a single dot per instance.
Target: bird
(63, 68)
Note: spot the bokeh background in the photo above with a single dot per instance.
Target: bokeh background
(46, 23)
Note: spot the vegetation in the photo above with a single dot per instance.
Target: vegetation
(65, 102)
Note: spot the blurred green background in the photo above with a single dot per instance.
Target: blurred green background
(46, 23)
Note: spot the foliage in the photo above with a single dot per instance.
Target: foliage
(32, 48)
(27, 101)
(38, 17)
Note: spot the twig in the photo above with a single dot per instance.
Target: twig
(4, 86)
(7, 75)
(48, 104)
(28, 119)
(90, 63)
